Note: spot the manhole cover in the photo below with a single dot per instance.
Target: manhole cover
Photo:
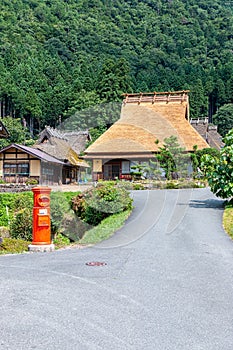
(96, 263)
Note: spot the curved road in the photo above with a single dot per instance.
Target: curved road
(167, 284)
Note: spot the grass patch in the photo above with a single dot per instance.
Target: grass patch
(61, 241)
(13, 246)
(106, 228)
(228, 219)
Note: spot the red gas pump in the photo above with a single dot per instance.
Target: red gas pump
(41, 233)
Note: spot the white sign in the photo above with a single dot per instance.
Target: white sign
(43, 211)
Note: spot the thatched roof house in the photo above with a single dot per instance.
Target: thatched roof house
(66, 147)
(209, 132)
(144, 119)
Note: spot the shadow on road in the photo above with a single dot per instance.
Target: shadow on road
(207, 203)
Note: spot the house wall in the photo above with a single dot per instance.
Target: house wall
(13, 159)
(117, 169)
(111, 169)
(51, 174)
(35, 167)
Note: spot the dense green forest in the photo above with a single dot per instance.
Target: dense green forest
(59, 57)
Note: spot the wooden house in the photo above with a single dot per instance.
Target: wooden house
(20, 163)
(144, 119)
(51, 161)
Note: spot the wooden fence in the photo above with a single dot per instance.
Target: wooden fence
(156, 97)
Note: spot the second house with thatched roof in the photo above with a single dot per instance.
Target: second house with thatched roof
(66, 147)
(144, 119)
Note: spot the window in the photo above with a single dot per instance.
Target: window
(23, 169)
(16, 169)
(47, 171)
(125, 167)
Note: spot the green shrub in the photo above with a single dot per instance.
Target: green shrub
(23, 200)
(138, 187)
(6, 208)
(61, 241)
(32, 182)
(21, 225)
(98, 203)
(21, 222)
(12, 246)
(60, 207)
(172, 185)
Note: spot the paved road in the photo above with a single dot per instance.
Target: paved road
(167, 285)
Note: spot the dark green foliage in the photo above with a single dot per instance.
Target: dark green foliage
(59, 207)
(197, 157)
(6, 208)
(11, 203)
(138, 187)
(219, 171)
(98, 203)
(59, 57)
(138, 171)
(21, 223)
(61, 241)
(17, 133)
(173, 159)
(201, 154)
(195, 163)
(224, 118)
(63, 219)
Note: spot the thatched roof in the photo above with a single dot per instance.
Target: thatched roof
(141, 124)
(59, 148)
(77, 139)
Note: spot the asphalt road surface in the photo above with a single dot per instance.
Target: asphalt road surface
(166, 284)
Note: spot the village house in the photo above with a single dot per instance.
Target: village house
(145, 118)
(208, 131)
(66, 146)
(50, 161)
(19, 163)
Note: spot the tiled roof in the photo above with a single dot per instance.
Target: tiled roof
(34, 152)
(208, 132)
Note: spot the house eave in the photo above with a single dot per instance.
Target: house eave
(119, 155)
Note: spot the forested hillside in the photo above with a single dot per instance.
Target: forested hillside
(58, 57)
